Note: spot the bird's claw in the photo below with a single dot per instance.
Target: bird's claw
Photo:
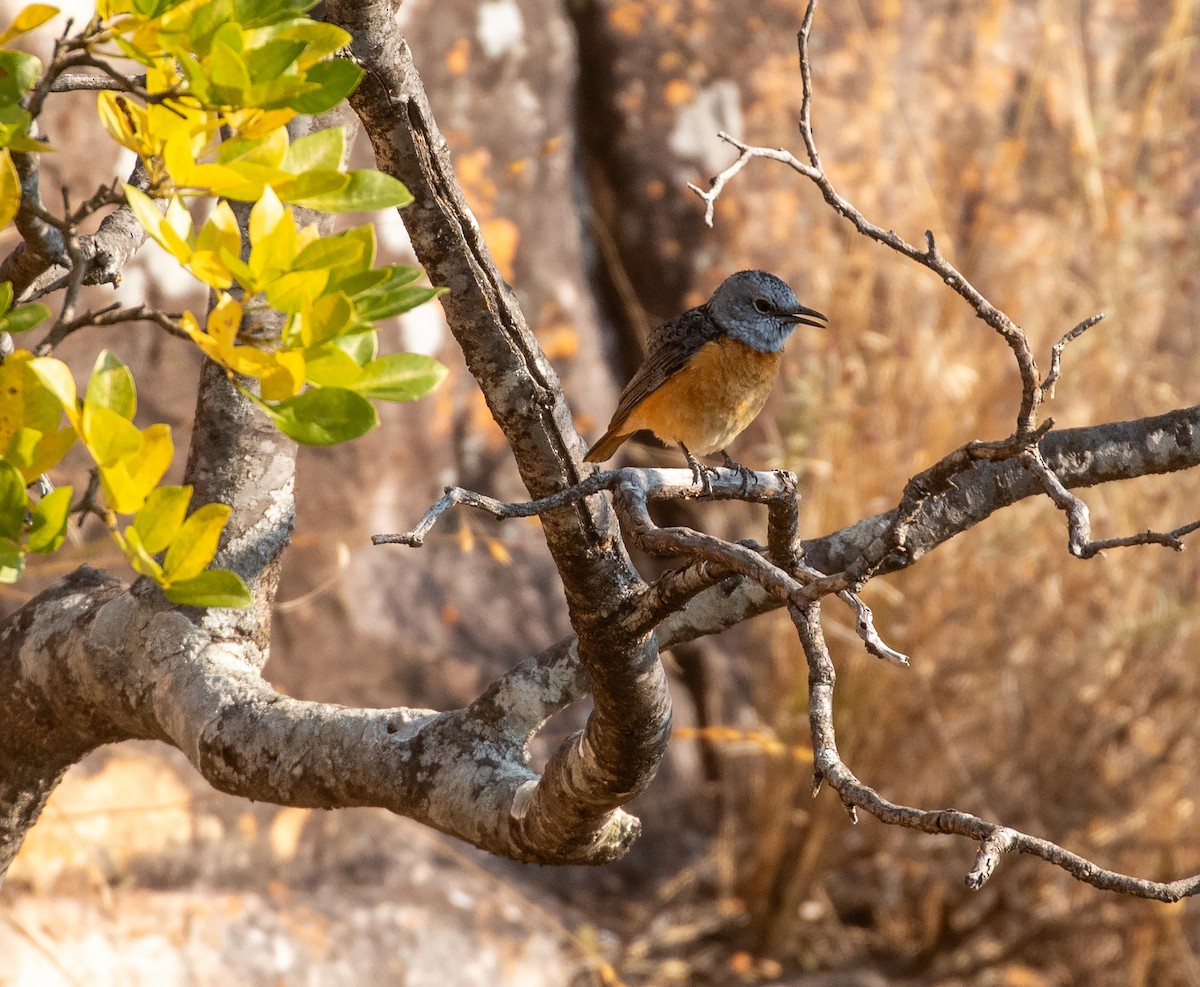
(701, 474)
(745, 474)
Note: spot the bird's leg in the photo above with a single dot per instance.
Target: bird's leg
(700, 472)
(745, 473)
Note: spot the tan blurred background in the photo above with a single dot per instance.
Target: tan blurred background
(1054, 148)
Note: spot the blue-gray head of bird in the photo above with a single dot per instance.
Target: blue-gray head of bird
(758, 309)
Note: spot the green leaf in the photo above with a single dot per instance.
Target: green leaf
(272, 59)
(215, 588)
(277, 94)
(308, 184)
(322, 39)
(367, 190)
(50, 519)
(324, 416)
(6, 296)
(52, 447)
(256, 13)
(12, 562)
(24, 317)
(361, 347)
(400, 377)
(322, 150)
(361, 281)
(160, 518)
(327, 252)
(377, 305)
(195, 544)
(18, 73)
(365, 235)
(12, 501)
(228, 73)
(336, 79)
(111, 386)
(330, 317)
(331, 367)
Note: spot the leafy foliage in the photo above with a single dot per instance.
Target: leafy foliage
(223, 79)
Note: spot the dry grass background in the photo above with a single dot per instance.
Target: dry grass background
(1054, 148)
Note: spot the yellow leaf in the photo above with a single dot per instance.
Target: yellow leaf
(274, 252)
(108, 9)
(251, 123)
(129, 481)
(267, 150)
(146, 213)
(286, 376)
(10, 189)
(141, 560)
(108, 436)
(224, 321)
(125, 121)
(465, 538)
(56, 376)
(208, 346)
(193, 547)
(209, 268)
(220, 231)
(178, 220)
(33, 16)
(266, 215)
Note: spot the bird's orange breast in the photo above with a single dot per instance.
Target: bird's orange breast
(720, 391)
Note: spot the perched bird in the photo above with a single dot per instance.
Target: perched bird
(708, 372)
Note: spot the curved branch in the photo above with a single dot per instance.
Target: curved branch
(626, 734)
(930, 256)
(995, 840)
(87, 662)
(1079, 457)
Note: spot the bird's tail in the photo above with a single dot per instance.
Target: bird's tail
(609, 442)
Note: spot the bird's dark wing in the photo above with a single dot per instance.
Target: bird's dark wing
(669, 348)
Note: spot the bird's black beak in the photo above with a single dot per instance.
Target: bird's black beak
(807, 317)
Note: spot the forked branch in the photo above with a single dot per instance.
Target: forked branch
(994, 839)
(1024, 446)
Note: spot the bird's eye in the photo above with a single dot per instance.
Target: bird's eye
(762, 305)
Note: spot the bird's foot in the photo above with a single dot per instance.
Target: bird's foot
(701, 474)
(745, 474)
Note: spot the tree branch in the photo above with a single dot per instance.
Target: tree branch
(626, 734)
(994, 839)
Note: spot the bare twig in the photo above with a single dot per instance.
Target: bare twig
(1055, 370)
(892, 540)
(712, 559)
(91, 82)
(1079, 524)
(995, 840)
(929, 257)
(110, 315)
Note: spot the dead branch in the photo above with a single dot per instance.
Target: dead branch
(995, 840)
(711, 559)
(889, 544)
(1079, 522)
